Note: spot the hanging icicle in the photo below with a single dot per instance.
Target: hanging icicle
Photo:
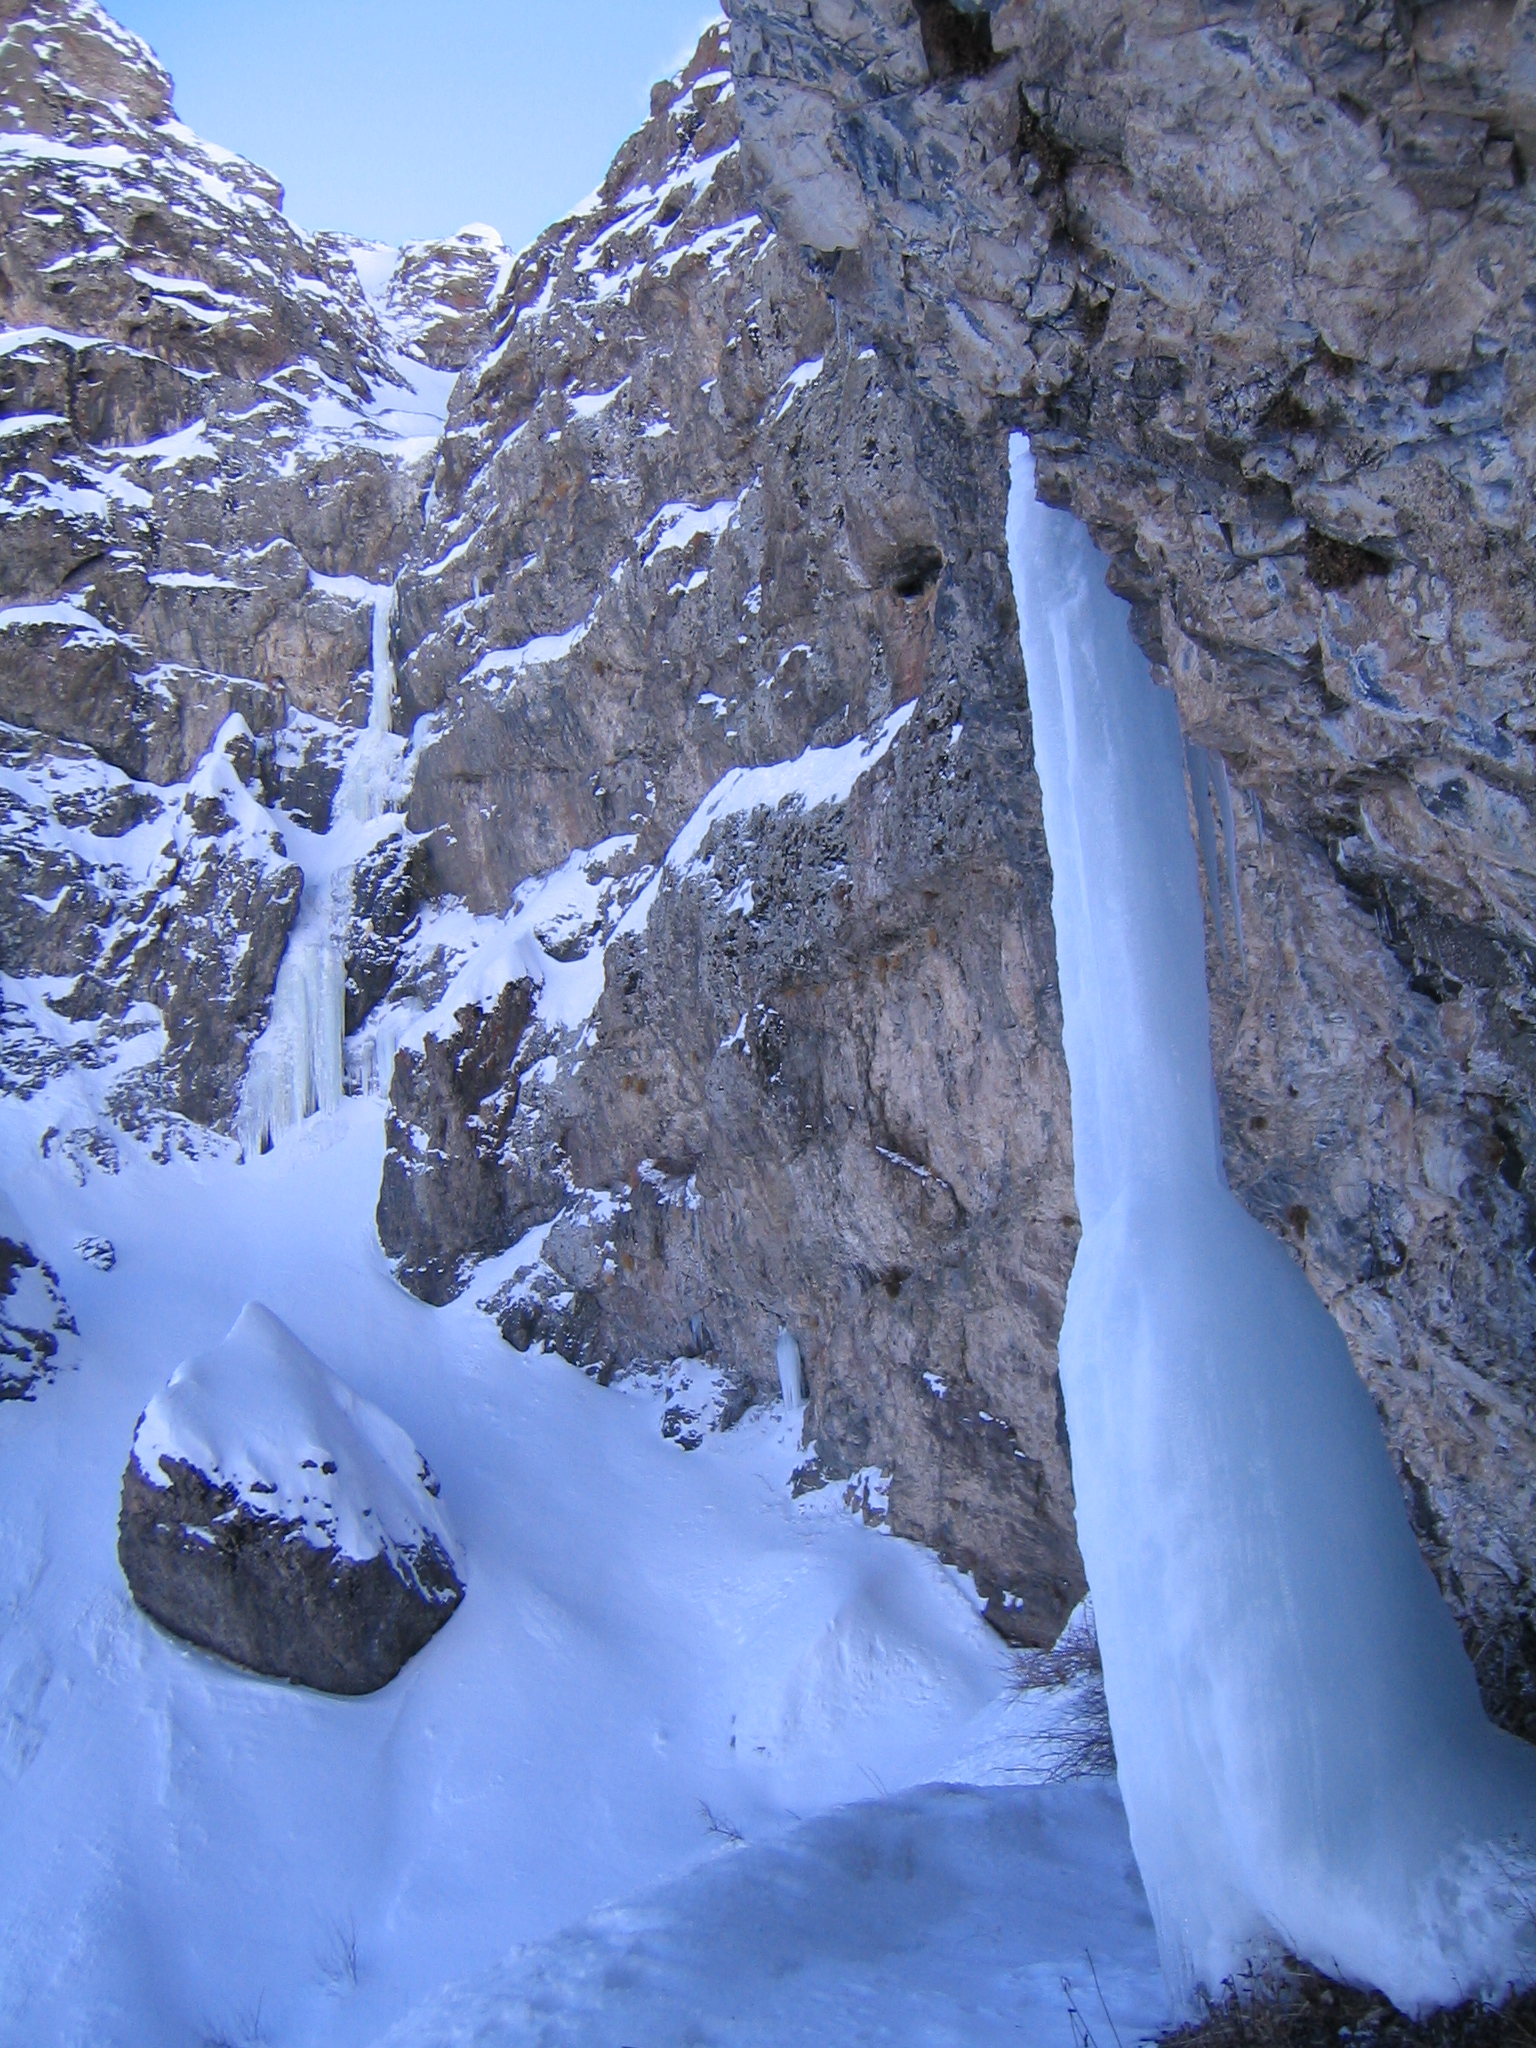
(1305, 1762)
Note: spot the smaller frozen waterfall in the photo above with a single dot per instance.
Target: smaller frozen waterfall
(786, 1354)
(1304, 1759)
(296, 1066)
(369, 783)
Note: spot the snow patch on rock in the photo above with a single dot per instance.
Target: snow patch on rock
(37, 1331)
(260, 1414)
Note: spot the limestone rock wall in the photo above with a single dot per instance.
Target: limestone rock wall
(1258, 281)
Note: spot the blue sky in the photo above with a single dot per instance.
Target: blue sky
(403, 119)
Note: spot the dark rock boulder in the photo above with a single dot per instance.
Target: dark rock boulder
(272, 1515)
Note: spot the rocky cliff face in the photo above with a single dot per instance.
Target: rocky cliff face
(213, 445)
(710, 970)
(1258, 282)
(687, 543)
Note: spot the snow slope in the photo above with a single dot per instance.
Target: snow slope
(191, 1853)
(961, 1916)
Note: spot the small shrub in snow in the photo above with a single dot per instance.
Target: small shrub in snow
(1297, 2007)
(1078, 1743)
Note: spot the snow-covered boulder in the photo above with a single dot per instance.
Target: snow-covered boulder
(37, 1331)
(271, 1514)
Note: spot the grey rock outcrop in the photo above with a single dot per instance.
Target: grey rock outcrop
(440, 294)
(38, 1334)
(1258, 282)
(457, 1183)
(331, 1570)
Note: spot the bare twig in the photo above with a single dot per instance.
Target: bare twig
(717, 1824)
(1103, 2002)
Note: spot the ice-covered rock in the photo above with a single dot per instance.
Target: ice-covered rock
(271, 1514)
(37, 1331)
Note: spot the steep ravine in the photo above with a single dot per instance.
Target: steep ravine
(710, 970)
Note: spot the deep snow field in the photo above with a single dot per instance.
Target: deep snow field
(659, 1651)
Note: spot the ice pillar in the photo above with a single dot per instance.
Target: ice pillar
(1304, 1759)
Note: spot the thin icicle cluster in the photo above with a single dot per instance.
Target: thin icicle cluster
(1304, 1759)
(791, 1371)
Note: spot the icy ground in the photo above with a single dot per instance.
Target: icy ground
(659, 1650)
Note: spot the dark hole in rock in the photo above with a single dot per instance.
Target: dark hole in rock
(957, 41)
(1511, 1159)
(1037, 140)
(1287, 414)
(1298, 1217)
(915, 571)
(1339, 564)
(893, 1280)
(1430, 978)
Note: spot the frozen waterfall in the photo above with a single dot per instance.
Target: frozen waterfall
(791, 1372)
(1304, 1759)
(296, 1066)
(372, 770)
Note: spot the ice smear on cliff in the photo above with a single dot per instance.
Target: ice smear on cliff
(791, 1371)
(540, 936)
(1303, 1756)
(260, 1414)
(821, 775)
